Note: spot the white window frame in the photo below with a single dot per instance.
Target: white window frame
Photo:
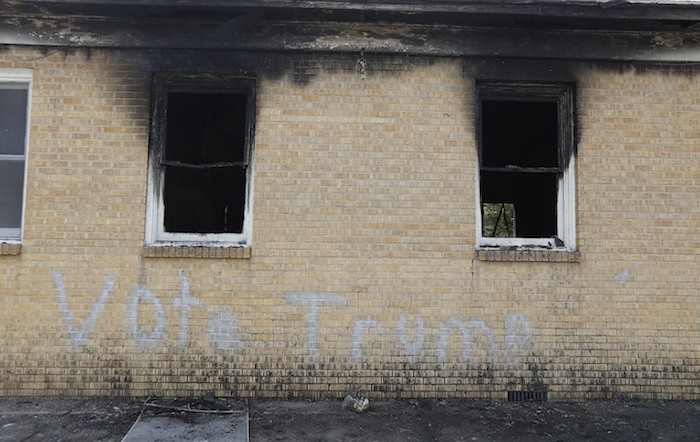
(563, 95)
(18, 79)
(155, 213)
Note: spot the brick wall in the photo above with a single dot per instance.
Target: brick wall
(362, 274)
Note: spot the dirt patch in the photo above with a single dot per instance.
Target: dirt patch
(100, 419)
(425, 420)
(476, 421)
(67, 419)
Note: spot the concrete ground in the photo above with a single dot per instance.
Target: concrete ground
(112, 419)
(180, 421)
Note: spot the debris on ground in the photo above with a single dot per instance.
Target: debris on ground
(356, 403)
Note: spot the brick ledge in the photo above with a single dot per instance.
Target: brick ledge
(196, 252)
(527, 255)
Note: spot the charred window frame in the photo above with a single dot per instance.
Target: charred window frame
(201, 160)
(525, 136)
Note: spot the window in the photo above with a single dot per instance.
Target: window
(200, 159)
(15, 86)
(525, 191)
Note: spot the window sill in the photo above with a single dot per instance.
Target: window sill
(527, 255)
(173, 251)
(10, 248)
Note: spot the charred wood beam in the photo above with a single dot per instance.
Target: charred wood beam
(684, 10)
(406, 39)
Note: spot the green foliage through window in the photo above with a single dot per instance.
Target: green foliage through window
(498, 220)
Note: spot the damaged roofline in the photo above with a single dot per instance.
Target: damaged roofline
(344, 37)
(677, 10)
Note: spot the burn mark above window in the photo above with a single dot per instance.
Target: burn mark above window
(201, 150)
(525, 147)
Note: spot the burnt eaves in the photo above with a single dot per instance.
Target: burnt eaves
(661, 31)
(580, 14)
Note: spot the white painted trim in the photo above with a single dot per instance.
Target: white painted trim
(208, 244)
(477, 198)
(9, 75)
(516, 242)
(10, 234)
(247, 239)
(12, 157)
(26, 150)
(204, 238)
(152, 196)
(19, 79)
(567, 232)
(160, 218)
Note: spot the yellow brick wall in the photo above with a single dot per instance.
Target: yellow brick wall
(362, 267)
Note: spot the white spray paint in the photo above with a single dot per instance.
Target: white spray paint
(223, 331)
(313, 301)
(412, 349)
(80, 337)
(518, 338)
(184, 302)
(144, 339)
(467, 330)
(623, 277)
(358, 333)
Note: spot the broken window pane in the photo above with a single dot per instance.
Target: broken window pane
(13, 120)
(532, 195)
(204, 200)
(498, 220)
(11, 190)
(205, 127)
(519, 133)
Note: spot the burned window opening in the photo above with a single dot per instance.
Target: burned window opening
(201, 148)
(525, 143)
(204, 165)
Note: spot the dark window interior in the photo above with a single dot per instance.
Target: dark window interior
(533, 195)
(205, 170)
(13, 121)
(205, 127)
(207, 200)
(519, 133)
(519, 138)
(11, 190)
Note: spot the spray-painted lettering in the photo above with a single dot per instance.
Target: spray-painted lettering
(314, 301)
(79, 337)
(145, 339)
(224, 334)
